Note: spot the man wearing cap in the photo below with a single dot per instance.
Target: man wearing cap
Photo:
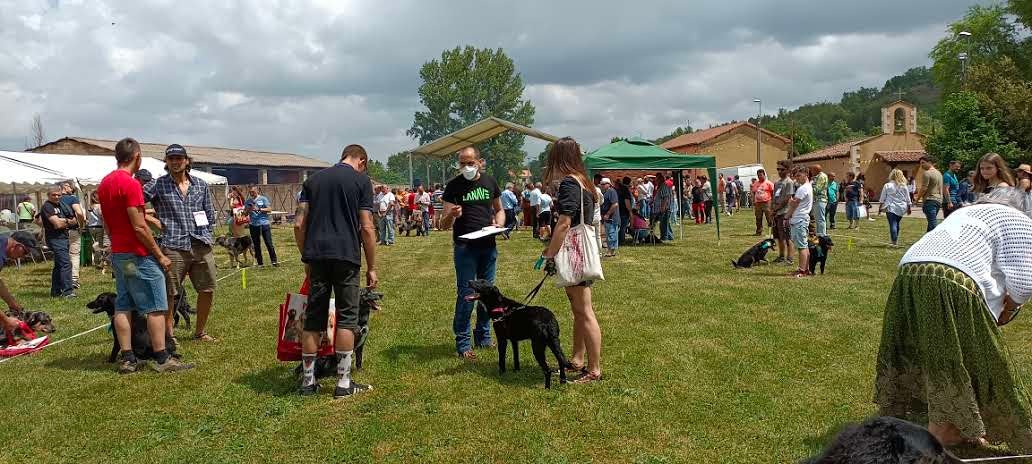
(17, 245)
(183, 205)
(610, 215)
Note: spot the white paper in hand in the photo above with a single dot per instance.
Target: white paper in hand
(485, 232)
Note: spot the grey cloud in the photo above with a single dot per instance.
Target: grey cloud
(293, 76)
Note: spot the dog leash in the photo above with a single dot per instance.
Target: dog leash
(533, 293)
(996, 459)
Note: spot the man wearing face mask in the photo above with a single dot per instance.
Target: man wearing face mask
(472, 201)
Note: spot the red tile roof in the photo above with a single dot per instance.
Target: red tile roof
(702, 136)
(832, 151)
(900, 156)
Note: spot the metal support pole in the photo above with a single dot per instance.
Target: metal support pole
(759, 133)
(411, 179)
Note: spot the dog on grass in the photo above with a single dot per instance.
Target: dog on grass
(820, 246)
(105, 303)
(884, 440)
(326, 366)
(101, 257)
(35, 321)
(754, 255)
(514, 322)
(238, 247)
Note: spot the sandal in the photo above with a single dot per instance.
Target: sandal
(468, 355)
(587, 377)
(571, 367)
(204, 337)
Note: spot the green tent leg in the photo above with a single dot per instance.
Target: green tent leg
(713, 189)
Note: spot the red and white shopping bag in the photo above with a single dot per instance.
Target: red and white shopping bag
(292, 322)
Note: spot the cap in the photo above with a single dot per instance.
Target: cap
(143, 175)
(1025, 169)
(175, 150)
(26, 239)
(605, 180)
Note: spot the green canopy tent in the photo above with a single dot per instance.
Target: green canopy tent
(642, 155)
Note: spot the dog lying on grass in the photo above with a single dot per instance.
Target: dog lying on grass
(754, 255)
(326, 366)
(28, 325)
(105, 303)
(238, 247)
(884, 440)
(514, 322)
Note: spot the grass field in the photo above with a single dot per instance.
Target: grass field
(702, 364)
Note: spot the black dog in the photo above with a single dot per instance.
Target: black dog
(514, 322)
(754, 255)
(326, 366)
(237, 246)
(885, 440)
(819, 252)
(181, 309)
(105, 303)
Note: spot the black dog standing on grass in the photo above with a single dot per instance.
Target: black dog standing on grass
(819, 252)
(514, 322)
(105, 303)
(754, 255)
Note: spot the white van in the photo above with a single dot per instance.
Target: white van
(746, 172)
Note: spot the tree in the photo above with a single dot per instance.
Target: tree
(466, 85)
(536, 165)
(1004, 97)
(687, 129)
(802, 137)
(967, 134)
(380, 173)
(38, 136)
(992, 36)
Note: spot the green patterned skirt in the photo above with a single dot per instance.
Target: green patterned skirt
(942, 359)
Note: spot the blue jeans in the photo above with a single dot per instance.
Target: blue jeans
(832, 207)
(820, 213)
(61, 276)
(613, 235)
(263, 232)
(510, 219)
(894, 220)
(666, 232)
(386, 227)
(625, 223)
(852, 210)
(931, 211)
(471, 263)
(139, 283)
(426, 222)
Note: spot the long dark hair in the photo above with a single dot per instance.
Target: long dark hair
(564, 159)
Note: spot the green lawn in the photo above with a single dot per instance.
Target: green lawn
(702, 364)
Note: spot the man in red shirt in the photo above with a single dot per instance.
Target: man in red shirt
(139, 265)
(762, 193)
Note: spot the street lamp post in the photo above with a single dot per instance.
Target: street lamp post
(963, 56)
(759, 133)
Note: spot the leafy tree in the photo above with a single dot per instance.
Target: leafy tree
(967, 134)
(993, 36)
(466, 85)
(687, 129)
(380, 173)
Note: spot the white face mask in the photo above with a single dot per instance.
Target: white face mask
(469, 172)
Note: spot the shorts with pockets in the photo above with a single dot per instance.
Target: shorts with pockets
(199, 263)
(339, 278)
(139, 284)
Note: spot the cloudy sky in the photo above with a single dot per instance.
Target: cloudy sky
(311, 76)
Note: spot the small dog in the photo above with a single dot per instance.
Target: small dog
(884, 439)
(514, 322)
(105, 303)
(754, 255)
(36, 321)
(326, 366)
(407, 224)
(101, 257)
(820, 246)
(237, 246)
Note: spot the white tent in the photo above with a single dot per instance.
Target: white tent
(91, 169)
(24, 177)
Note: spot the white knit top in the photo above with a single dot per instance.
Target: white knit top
(992, 244)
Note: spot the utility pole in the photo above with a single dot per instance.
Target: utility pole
(963, 56)
(759, 132)
(411, 179)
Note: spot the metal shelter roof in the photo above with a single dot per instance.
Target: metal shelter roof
(475, 133)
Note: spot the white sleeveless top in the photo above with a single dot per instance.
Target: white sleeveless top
(992, 244)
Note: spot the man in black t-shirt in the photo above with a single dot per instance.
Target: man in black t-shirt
(472, 201)
(57, 220)
(334, 221)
